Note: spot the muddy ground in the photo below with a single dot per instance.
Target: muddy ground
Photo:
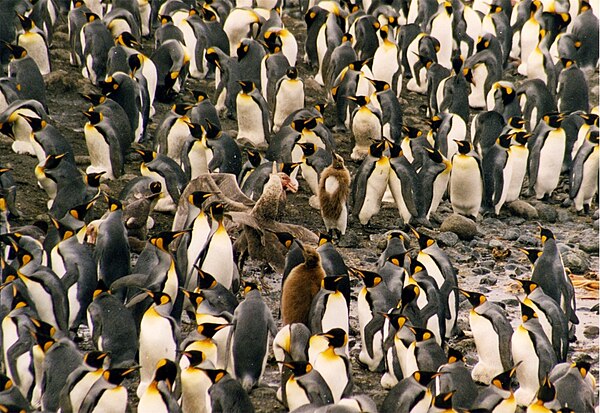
(477, 268)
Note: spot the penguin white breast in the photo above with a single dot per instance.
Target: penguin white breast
(488, 348)
(535, 66)
(194, 385)
(336, 313)
(395, 186)
(250, 124)
(385, 62)
(432, 268)
(295, 395)
(156, 342)
(376, 186)
(365, 127)
(289, 98)
(199, 159)
(466, 185)
(517, 156)
(589, 182)
(80, 390)
(112, 400)
(43, 302)
(36, 48)
(550, 163)
(176, 139)
(99, 152)
(441, 29)
(151, 401)
(524, 351)
(477, 95)
(219, 258)
(333, 370)
(199, 235)
(311, 177)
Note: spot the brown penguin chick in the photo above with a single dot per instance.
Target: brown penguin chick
(301, 285)
(334, 188)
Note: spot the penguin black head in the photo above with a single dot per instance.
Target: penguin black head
(357, 64)
(147, 155)
(443, 400)
(397, 259)
(166, 370)
(396, 319)
(409, 294)
(464, 147)
(370, 279)
(159, 298)
(194, 297)
(212, 57)
(18, 300)
(215, 375)
(101, 287)
(80, 211)
(196, 130)
(16, 51)
(298, 367)
(435, 122)
(532, 254)
(324, 238)
(527, 313)
(90, 17)
(93, 117)
(247, 86)
(484, 42)
(217, 211)
(113, 203)
(504, 141)
(424, 240)
(197, 198)
(23, 256)
(208, 15)
(310, 123)
(547, 392)
(36, 124)
(554, 120)
(380, 85)
(495, 8)
(475, 298)
(44, 341)
(583, 367)
(376, 149)
(5, 382)
(42, 328)
(127, 39)
(93, 178)
(164, 239)
(359, 100)
(424, 377)
(435, 155)
(6, 129)
(454, 355)
(320, 107)
(546, 234)
(195, 357)
(422, 334)
(336, 337)
(308, 148)
(448, 7)
(534, 7)
(273, 42)
(589, 118)
(528, 285)
(292, 72)
(212, 130)
(415, 266)
(289, 167)
(593, 137)
(165, 19)
(508, 95)
(254, 157)
(567, 62)
(26, 23)
(395, 150)
(181, 109)
(411, 132)
(285, 238)
(95, 359)
(521, 137)
(205, 280)
(468, 74)
(384, 32)
(117, 375)
(332, 282)
(242, 50)
(347, 37)
(503, 380)
(584, 6)
(297, 125)
(200, 95)
(250, 286)
(64, 232)
(210, 329)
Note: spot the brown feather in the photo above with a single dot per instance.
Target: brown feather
(303, 283)
(332, 203)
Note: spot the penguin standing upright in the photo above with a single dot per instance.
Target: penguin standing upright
(370, 183)
(402, 182)
(434, 177)
(440, 27)
(153, 346)
(108, 392)
(227, 394)
(498, 396)
(105, 149)
(304, 385)
(23, 70)
(386, 66)
(366, 126)
(517, 156)
(373, 299)
(533, 350)
(583, 182)
(574, 385)
(253, 324)
(159, 396)
(166, 171)
(96, 41)
(300, 287)
(572, 88)
(497, 174)
(252, 115)
(335, 368)
(546, 155)
(334, 188)
(289, 97)
(411, 394)
(456, 377)
(549, 273)
(466, 181)
(329, 308)
(34, 41)
(492, 333)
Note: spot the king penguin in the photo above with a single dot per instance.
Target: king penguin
(370, 183)
(34, 41)
(252, 115)
(466, 181)
(584, 174)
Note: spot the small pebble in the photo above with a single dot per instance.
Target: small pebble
(528, 240)
(546, 213)
(447, 238)
(591, 331)
(481, 271)
(488, 280)
(496, 244)
(511, 235)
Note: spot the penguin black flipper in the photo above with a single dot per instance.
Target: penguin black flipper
(503, 330)
(359, 188)
(317, 391)
(95, 316)
(15, 351)
(372, 327)
(534, 159)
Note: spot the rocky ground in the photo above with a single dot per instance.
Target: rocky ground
(485, 253)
